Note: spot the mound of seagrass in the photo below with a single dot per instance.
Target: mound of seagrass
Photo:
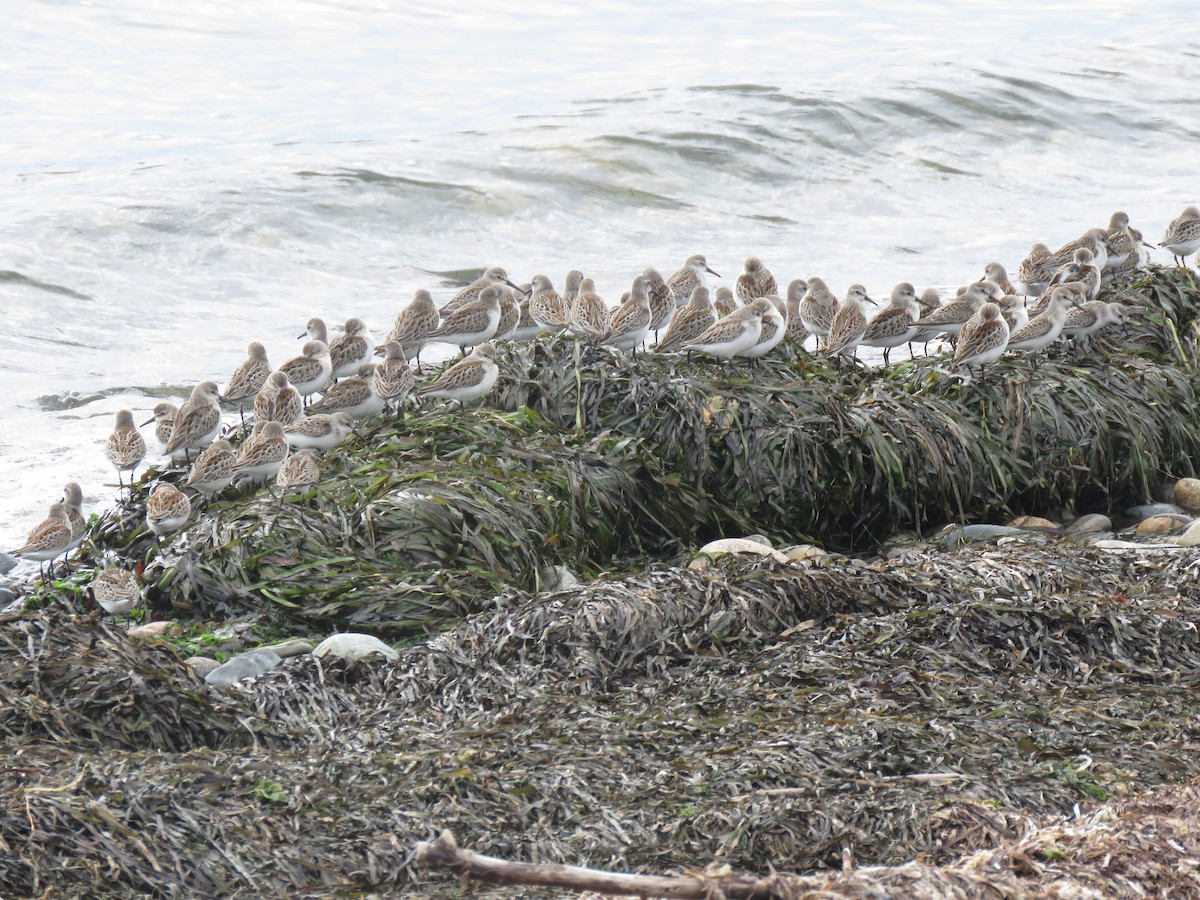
(761, 715)
(83, 683)
(604, 458)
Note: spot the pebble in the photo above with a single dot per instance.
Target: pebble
(1191, 537)
(200, 665)
(953, 535)
(7, 563)
(802, 552)
(1146, 510)
(1031, 522)
(557, 578)
(354, 646)
(294, 647)
(1187, 494)
(1089, 524)
(244, 665)
(162, 629)
(1163, 524)
(732, 545)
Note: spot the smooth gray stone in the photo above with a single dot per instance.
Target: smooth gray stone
(1148, 510)
(970, 533)
(294, 647)
(244, 665)
(354, 646)
(201, 665)
(1090, 523)
(7, 563)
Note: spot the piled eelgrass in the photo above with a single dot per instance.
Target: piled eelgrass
(605, 457)
(763, 715)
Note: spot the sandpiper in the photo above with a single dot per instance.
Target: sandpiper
(353, 395)
(473, 323)
(352, 348)
(321, 432)
(547, 306)
(1095, 239)
(950, 318)
(493, 276)
(692, 274)
(745, 288)
(247, 378)
(527, 327)
(796, 331)
(126, 447)
(1087, 274)
(1182, 237)
(1120, 241)
(413, 325)
(773, 330)
(630, 323)
(264, 452)
(468, 379)
(393, 378)
(165, 421)
(849, 323)
(1085, 320)
(724, 301)
(315, 330)
(213, 469)
(895, 323)
(116, 590)
(299, 471)
(1045, 328)
(167, 509)
(689, 323)
(589, 313)
(278, 401)
(510, 315)
(764, 281)
(818, 308)
(983, 338)
(1035, 271)
(1012, 308)
(996, 272)
(72, 501)
(662, 301)
(197, 422)
(49, 539)
(733, 334)
(311, 370)
(571, 287)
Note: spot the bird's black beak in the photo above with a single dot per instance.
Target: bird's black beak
(147, 422)
(710, 271)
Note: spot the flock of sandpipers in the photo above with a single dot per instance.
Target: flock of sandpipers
(986, 319)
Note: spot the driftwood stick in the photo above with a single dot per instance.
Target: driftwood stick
(446, 852)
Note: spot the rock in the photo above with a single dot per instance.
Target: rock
(7, 563)
(802, 552)
(557, 578)
(732, 545)
(1187, 494)
(200, 665)
(759, 539)
(1163, 524)
(294, 647)
(244, 665)
(1146, 510)
(1031, 522)
(164, 629)
(967, 534)
(1089, 524)
(1191, 537)
(354, 646)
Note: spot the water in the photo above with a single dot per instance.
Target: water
(180, 182)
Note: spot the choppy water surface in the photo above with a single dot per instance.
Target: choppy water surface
(179, 182)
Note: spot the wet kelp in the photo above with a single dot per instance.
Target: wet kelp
(593, 458)
(763, 715)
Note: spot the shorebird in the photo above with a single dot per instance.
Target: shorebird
(350, 349)
(630, 323)
(468, 379)
(983, 338)
(493, 276)
(1045, 328)
(116, 590)
(49, 539)
(546, 305)
(353, 395)
(263, 453)
(248, 378)
(685, 280)
(393, 378)
(773, 330)
(413, 325)
(818, 308)
(1183, 235)
(321, 432)
(724, 302)
(167, 509)
(474, 322)
(1035, 271)
(731, 335)
(689, 323)
(589, 313)
(213, 470)
(309, 372)
(197, 421)
(849, 323)
(894, 324)
(126, 447)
